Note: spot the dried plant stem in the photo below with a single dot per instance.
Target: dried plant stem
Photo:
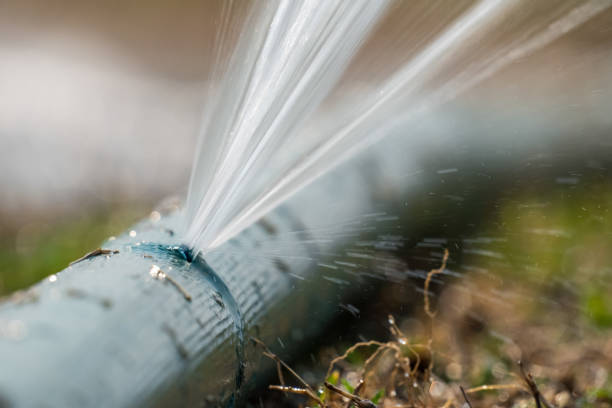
(533, 388)
(359, 402)
(178, 286)
(494, 387)
(428, 281)
(307, 390)
(349, 351)
(465, 397)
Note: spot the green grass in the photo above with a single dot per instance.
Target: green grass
(37, 250)
(554, 241)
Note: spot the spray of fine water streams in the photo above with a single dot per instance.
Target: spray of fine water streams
(279, 114)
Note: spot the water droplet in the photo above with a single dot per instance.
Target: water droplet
(53, 278)
(157, 273)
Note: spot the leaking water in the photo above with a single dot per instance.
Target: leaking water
(269, 130)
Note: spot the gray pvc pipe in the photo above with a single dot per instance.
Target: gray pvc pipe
(107, 331)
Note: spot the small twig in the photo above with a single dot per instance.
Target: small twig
(349, 351)
(494, 387)
(299, 391)
(307, 390)
(533, 387)
(180, 348)
(465, 397)
(394, 328)
(428, 281)
(181, 289)
(376, 354)
(279, 367)
(356, 391)
(428, 310)
(401, 339)
(293, 390)
(448, 403)
(157, 273)
(94, 253)
(360, 402)
(274, 357)
(359, 387)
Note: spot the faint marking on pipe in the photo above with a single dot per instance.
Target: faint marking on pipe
(218, 299)
(80, 294)
(268, 226)
(180, 348)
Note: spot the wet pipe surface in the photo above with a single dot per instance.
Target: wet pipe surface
(143, 321)
(107, 329)
(182, 255)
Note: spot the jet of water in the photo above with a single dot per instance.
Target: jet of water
(264, 141)
(287, 59)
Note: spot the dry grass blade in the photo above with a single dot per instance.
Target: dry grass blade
(293, 390)
(307, 390)
(488, 387)
(428, 281)
(400, 372)
(465, 397)
(356, 400)
(533, 387)
(349, 351)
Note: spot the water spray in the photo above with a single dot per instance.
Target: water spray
(164, 314)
